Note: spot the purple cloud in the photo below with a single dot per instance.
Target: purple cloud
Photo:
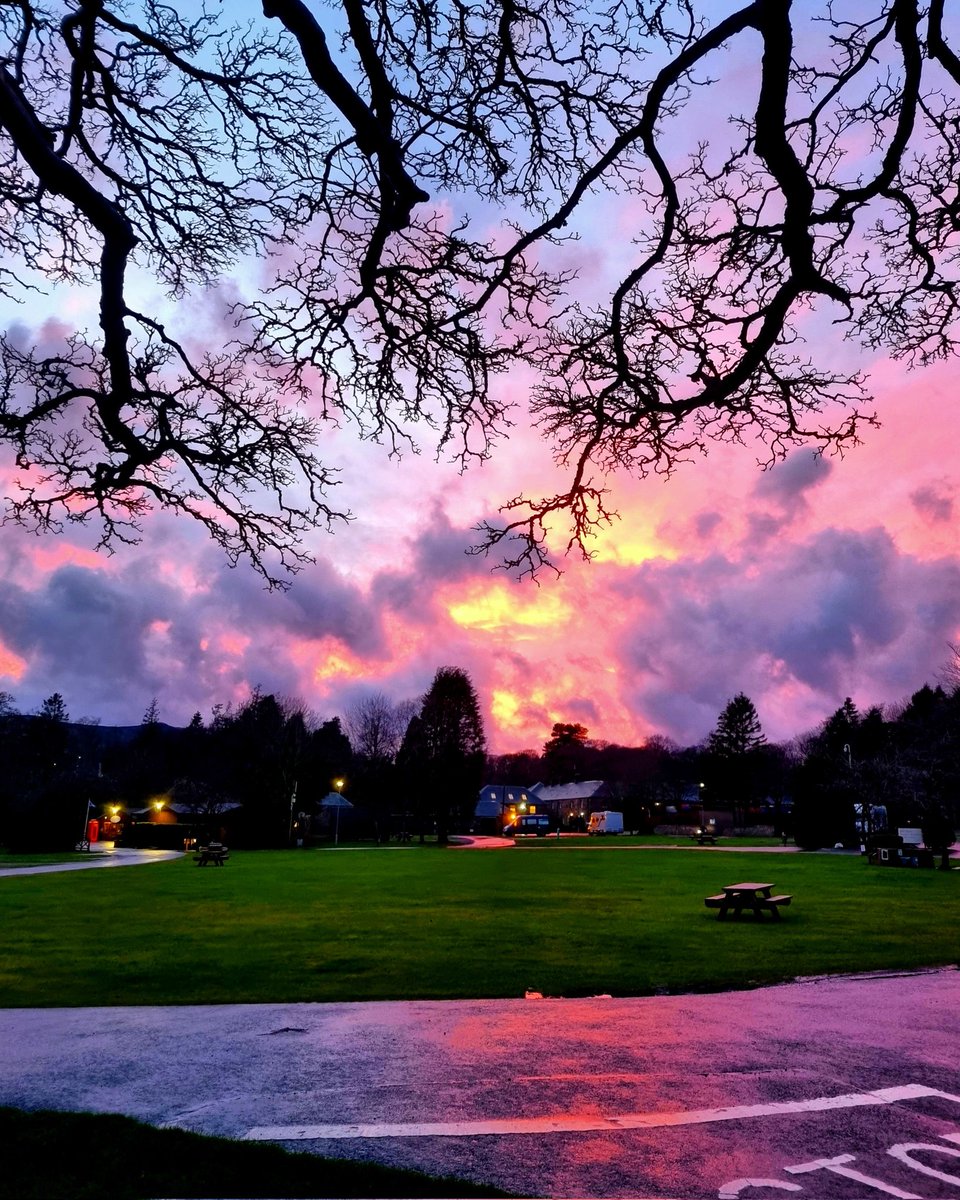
(933, 503)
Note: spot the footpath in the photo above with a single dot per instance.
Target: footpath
(108, 856)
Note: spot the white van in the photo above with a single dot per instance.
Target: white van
(605, 822)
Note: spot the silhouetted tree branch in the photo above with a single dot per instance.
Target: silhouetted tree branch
(405, 175)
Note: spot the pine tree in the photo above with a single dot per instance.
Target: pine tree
(450, 746)
(54, 709)
(738, 729)
(734, 745)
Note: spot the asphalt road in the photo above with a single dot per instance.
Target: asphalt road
(820, 1089)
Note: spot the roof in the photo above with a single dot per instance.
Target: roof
(188, 810)
(586, 789)
(335, 800)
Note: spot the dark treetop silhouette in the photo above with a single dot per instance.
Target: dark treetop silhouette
(138, 141)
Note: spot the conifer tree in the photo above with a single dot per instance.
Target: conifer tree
(450, 747)
(738, 729)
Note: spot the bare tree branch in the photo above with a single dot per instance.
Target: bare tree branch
(405, 174)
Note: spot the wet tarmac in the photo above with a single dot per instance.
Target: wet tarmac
(830, 1089)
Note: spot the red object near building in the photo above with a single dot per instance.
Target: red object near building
(93, 830)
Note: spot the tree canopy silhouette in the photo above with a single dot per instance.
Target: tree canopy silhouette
(145, 147)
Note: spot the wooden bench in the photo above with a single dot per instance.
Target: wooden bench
(755, 904)
(704, 839)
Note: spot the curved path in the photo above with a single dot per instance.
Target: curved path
(107, 857)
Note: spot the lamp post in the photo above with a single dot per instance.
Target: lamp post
(338, 788)
(293, 800)
(703, 827)
(84, 843)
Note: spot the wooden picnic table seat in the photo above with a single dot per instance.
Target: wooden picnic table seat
(738, 903)
(214, 853)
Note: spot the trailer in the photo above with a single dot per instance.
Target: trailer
(605, 822)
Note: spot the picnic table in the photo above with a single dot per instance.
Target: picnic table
(216, 853)
(704, 837)
(755, 897)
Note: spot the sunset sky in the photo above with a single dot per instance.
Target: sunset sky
(800, 586)
(816, 580)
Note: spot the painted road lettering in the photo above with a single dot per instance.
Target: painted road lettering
(730, 1191)
(839, 1165)
(902, 1152)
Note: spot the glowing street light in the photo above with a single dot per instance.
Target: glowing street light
(338, 788)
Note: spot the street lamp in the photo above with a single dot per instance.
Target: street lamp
(293, 800)
(703, 828)
(338, 787)
(84, 843)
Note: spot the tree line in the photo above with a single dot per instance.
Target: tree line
(821, 788)
(416, 766)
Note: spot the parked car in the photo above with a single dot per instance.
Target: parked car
(534, 824)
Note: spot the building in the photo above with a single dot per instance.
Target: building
(499, 804)
(569, 804)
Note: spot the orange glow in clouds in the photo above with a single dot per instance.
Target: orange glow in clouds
(12, 666)
(495, 607)
(627, 543)
(233, 643)
(324, 660)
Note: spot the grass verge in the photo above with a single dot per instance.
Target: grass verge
(331, 926)
(41, 859)
(86, 1156)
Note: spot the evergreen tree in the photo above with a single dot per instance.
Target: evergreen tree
(451, 748)
(563, 754)
(838, 734)
(410, 761)
(733, 749)
(738, 729)
(54, 709)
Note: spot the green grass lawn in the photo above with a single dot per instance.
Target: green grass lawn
(83, 1156)
(578, 841)
(360, 925)
(41, 859)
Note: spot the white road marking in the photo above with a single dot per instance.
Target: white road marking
(838, 1166)
(590, 1123)
(731, 1190)
(902, 1151)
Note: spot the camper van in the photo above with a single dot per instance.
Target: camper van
(605, 822)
